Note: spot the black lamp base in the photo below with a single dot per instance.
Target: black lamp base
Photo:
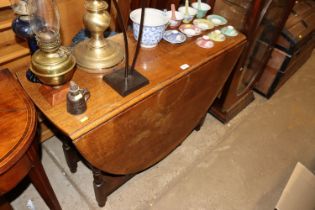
(125, 86)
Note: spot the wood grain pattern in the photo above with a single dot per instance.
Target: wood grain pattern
(18, 151)
(14, 101)
(19, 64)
(4, 3)
(6, 18)
(146, 132)
(192, 90)
(71, 18)
(160, 65)
(11, 47)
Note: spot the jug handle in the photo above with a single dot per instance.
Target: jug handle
(85, 93)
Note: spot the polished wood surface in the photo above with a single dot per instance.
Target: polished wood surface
(245, 16)
(16, 109)
(146, 132)
(161, 65)
(263, 24)
(71, 18)
(18, 151)
(194, 91)
(5, 3)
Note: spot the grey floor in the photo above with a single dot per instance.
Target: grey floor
(243, 165)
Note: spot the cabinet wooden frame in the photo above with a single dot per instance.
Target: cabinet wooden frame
(232, 100)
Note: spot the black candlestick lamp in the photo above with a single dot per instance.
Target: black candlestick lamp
(127, 80)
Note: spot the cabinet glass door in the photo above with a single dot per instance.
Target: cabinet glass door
(268, 31)
(234, 10)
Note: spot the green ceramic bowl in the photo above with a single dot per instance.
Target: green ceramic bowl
(203, 10)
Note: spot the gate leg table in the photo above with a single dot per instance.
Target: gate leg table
(120, 136)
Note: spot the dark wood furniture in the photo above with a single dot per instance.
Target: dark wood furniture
(118, 136)
(261, 22)
(292, 50)
(18, 150)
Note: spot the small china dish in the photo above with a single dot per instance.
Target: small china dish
(229, 31)
(187, 17)
(202, 11)
(190, 30)
(217, 36)
(204, 42)
(155, 22)
(174, 37)
(178, 19)
(203, 24)
(217, 20)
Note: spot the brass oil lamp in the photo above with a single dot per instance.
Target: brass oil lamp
(97, 54)
(53, 64)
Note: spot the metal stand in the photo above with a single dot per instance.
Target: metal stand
(125, 85)
(128, 80)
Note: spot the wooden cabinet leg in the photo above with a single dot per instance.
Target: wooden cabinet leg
(71, 156)
(4, 204)
(99, 187)
(201, 122)
(40, 180)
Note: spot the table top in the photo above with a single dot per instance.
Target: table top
(161, 65)
(17, 122)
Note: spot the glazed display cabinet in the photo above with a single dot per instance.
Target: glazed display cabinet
(261, 22)
(292, 50)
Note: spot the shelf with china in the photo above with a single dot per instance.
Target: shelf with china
(13, 50)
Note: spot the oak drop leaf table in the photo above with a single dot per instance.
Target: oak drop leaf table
(18, 149)
(125, 135)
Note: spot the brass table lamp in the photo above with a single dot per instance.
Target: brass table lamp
(97, 54)
(53, 64)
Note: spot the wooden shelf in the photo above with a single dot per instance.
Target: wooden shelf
(5, 3)
(6, 17)
(11, 51)
(5, 24)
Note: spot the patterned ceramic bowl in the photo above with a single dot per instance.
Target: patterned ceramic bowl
(203, 24)
(187, 17)
(155, 22)
(202, 11)
(178, 19)
(190, 30)
(174, 37)
(217, 20)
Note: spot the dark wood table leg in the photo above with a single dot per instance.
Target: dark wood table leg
(71, 155)
(40, 180)
(4, 204)
(201, 122)
(99, 187)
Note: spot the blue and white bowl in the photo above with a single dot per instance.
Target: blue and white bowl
(155, 22)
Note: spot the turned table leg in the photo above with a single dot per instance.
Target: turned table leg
(70, 155)
(40, 180)
(99, 187)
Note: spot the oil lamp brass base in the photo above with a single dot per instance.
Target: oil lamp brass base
(98, 59)
(53, 68)
(125, 86)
